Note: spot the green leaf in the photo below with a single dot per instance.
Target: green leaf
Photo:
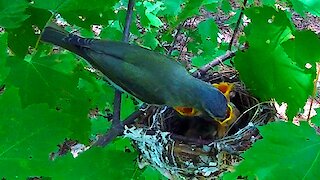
(269, 2)
(128, 106)
(316, 119)
(226, 6)
(265, 68)
(21, 39)
(211, 5)
(43, 80)
(99, 125)
(191, 8)
(111, 33)
(96, 163)
(303, 6)
(199, 61)
(154, 20)
(12, 13)
(79, 12)
(303, 50)
(3, 54)
(150, 174)
(99, 92)
(150, 40)
(286, 151)
(171, 8)
(208, 30)
(29, 135)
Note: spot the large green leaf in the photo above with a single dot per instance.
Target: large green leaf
(12, 13)
(303, 49)
(29, 135)
(79, 12)
(44, 80)
(3, 54)
(303, 6)
(286, 151)
(265, 67)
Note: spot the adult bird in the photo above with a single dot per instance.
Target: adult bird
(147, 75)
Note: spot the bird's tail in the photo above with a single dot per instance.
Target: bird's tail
(60, 37)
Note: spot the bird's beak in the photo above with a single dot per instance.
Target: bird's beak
(232, 115)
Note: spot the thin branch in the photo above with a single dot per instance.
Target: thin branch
(126, 30)
(117, 108)
(218, 60)
(114, 132)
(117, 127)
(174, 40)
(236, 29)
(116, 122)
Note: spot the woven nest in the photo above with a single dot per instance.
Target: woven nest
(188, 147)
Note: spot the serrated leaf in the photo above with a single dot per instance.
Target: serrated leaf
(303, 6)
(172, 8)
(12, 13)
(285, 152)
(265, 68)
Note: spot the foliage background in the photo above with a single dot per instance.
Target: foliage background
(49, 96)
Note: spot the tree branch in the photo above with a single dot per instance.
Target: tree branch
(236, 29)
(218, 60)
(174, 40)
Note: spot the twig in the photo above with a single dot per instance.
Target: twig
(117, 126)
(314, 93)
(174, 40)
(236, 29)
(117, 97)
(218, 60)
(114, 132)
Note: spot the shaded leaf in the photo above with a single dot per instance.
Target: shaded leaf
(286, 151)
(12, 13)
(265, 68)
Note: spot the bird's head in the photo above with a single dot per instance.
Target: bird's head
(209, 101)
(214, 103)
